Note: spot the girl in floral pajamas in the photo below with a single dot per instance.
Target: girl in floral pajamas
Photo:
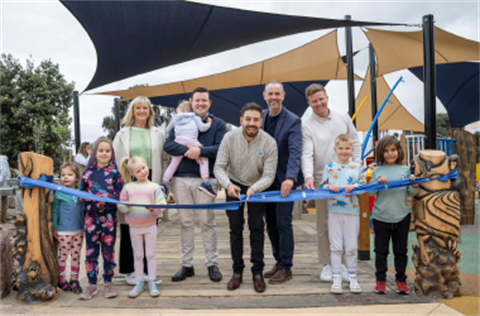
(102, 178)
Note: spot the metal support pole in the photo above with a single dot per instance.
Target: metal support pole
(429, 82)
(116, 103)
(373, 89)
(350, 75)
(76, 120)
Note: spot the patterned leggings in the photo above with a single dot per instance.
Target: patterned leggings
(69, 244)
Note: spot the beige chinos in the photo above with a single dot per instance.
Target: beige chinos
(323, 243)
(186, 190)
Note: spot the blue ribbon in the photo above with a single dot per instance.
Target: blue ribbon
(30, 183)
(308, 194)
(262, 197)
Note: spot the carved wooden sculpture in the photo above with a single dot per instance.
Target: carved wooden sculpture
(37, 274)
(437, 213)
(466, 148)
(6, 265)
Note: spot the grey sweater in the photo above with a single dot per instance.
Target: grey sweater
(252, 164)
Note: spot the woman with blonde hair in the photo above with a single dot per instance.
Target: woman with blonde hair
(138, 137)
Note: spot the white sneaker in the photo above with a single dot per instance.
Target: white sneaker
(130, 278)
(345, 274)
(139, 288)
(326, 275)
(152, 287)
(337, 284)
(354, 286)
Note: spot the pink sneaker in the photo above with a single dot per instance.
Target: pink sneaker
(381, 287)
(89, 292)
(402, 288)
(108, 290)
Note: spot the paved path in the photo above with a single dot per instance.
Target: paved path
(304, 292)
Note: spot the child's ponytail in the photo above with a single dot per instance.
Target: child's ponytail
(126, 176)
(125, 165)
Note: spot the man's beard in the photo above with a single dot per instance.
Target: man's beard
(248, 134)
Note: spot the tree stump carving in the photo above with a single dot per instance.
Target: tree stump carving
(437, 224)
(6, 267)
(37, 273)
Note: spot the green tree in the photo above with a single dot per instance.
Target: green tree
(28, 94)
(39, 133)
(163, 115)
(443, 125)
(64, 134)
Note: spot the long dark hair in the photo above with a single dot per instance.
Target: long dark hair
(93, 155)
(387, 141)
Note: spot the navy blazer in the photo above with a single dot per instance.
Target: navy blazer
(288, 135)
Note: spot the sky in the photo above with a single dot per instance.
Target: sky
(47, 30)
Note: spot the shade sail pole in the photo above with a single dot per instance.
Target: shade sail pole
(116, 103)
(430, 122)
(365, 142)
(76, 120)
(350, 81)
(373, 89)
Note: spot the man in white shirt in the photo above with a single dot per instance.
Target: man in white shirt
(318, 140)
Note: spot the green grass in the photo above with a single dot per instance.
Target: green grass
(469, 245)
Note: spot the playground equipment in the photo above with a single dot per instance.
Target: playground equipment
(37, 273)
(437, 224)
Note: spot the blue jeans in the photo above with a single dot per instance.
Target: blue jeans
(278, 217)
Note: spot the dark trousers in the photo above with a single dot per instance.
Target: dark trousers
(278, 217)
(398, 232)
(125, 259)
(256, 226)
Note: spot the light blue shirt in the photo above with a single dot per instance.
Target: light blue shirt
(187, 124)
(343, 175)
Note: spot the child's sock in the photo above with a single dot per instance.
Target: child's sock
(61, 274)
(207, 183)
(74, 273)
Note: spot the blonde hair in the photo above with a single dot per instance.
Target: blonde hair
(344, 138)
(185, 105)
(129, 119)
(125, 166)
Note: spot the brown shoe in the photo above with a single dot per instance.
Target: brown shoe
(234, 282)
(271, 272)
(281, 276)
(258, 283)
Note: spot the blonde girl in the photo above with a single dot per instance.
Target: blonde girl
(141, 220)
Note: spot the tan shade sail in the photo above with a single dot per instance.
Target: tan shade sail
(394, 114)
(400, 50)
(316, 60)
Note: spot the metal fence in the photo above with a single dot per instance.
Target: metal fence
(416, 143)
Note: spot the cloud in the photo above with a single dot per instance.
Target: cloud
(47, 30)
